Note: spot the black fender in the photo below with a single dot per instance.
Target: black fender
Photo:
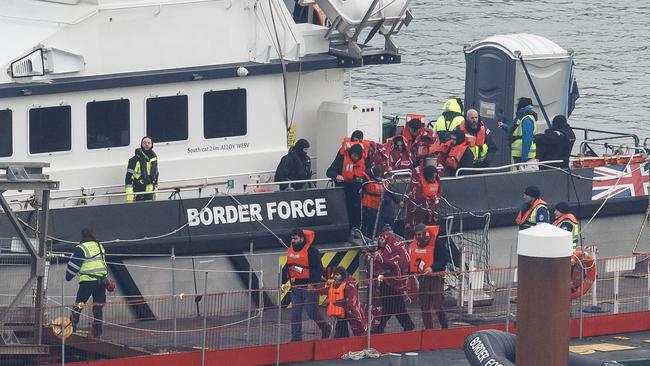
(497, 348)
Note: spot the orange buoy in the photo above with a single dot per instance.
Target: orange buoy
(582, 262)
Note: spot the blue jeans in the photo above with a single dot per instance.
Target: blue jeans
(300, 298)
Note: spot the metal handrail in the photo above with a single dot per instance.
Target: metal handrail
(205, 179)
(507, 166)
(287, 182)
(607, 145)
(110, 195)
(616, 135)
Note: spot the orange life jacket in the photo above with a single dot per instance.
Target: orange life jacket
(569, 216)
(336, 295)
(455, 156)
(372, 194)
(474, 140)
(429, 189)
(409, 139)
(522, 217)
(348, 143)
(298, 261)
(440, 147)
(351, 169)
(423, 256)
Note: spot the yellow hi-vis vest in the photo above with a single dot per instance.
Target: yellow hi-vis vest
(516, 145)
(479, 152)
(575, 227)
(443, 125)
(94, 265)
(137, 174)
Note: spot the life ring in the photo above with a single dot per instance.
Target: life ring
(582, 262)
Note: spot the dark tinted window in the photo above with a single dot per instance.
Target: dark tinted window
(167, 118)
(6, 146)
(224, 113)
(107, 124)
(49, 129)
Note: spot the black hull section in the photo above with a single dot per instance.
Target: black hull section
(321, 209)
(501, 195)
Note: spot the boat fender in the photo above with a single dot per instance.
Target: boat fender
(497, 348)
(582, 262)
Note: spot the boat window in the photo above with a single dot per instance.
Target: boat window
(107, 124)
(49, 129)
(167, 118)
(6, 146)
(224, 113)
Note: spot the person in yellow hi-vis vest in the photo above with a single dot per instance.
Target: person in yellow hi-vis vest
(142, 172)
(88, 261)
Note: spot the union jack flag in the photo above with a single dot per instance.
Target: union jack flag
(633, 181)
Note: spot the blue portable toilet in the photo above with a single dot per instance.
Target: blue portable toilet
(495, 79)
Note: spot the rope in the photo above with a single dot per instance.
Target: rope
(359, 355)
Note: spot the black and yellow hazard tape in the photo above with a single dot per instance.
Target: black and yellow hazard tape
(348, 259)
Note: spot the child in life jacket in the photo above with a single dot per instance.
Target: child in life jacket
(344, 305)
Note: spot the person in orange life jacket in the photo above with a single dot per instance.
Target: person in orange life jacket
(355, 138)
(556, 143)
(371, 199)
(344, 304)
(390, 269)
(478, 138)
(303, 269)
(399, 156)
(142, 172)
(564, 219)
(429, 260)
(296, 165)
(423, 198)
(412, 132)
(459, 155)
(348, 170)
(533, 211)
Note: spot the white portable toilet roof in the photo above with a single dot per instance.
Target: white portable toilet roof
(529, 45)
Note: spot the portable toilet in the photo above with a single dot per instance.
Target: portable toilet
(495, 78)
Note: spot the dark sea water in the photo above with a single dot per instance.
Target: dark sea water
(612, 55)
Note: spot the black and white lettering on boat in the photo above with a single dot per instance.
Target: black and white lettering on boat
(249, 212)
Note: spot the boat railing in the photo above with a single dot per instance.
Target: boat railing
(183, 315)
(304, 181)
(587, 148)
(527, 165)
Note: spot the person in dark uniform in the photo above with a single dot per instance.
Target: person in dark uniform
(142, 172)
(556, 143)
(296, 165)
(348, 170)
(88, 261)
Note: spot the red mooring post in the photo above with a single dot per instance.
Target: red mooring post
(543, 296)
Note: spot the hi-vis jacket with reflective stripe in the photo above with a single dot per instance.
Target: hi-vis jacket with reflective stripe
(87, 260)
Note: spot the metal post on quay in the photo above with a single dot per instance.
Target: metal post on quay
(250, 291)
(174, 299)
(205, 318)
(279, 324)
(370, 282)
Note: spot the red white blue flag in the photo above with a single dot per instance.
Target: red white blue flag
(617, 181)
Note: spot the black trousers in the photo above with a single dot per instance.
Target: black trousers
(98, 291)
(393, 303)
(341, 329)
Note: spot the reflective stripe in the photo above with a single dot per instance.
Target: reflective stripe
(71, 264)
(516, 146)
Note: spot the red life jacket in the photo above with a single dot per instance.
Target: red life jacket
(298, 261)
(522, 217)
(348, 143)
(474, 140)
(372, 194)
(455, 156)
(351, 169)
(429, 189)
(423, 257)
(336, 295)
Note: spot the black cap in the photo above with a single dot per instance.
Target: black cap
(429, 172)
(419, 227)
(524, 102)
(562, 207)
(532, 191)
